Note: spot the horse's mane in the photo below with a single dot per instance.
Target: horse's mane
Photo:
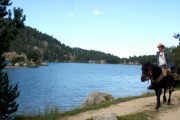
(156, 71)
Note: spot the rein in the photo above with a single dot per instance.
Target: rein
(150, 71)
(158, 80)
(150, 76)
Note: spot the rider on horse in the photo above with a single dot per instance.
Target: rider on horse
(163, 60)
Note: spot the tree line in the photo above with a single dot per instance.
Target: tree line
(38, 46)
(173, 51)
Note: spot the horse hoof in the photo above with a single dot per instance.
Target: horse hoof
(157, 109)
(168, 103)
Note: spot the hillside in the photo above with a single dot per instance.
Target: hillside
(30, 41)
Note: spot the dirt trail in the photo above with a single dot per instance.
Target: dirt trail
(167, 112)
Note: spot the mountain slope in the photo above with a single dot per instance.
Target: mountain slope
(50, 49)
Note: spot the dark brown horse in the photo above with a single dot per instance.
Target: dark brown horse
(154, 73)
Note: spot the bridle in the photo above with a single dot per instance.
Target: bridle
(149, 74)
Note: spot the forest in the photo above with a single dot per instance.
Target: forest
(33, 45)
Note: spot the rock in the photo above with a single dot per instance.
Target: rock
(25, 64)
(96, 98)
(105, 117)
(16, 64)
(44, 64)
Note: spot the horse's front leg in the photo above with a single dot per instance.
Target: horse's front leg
(169, 99)
(164, 96)
(158, 95)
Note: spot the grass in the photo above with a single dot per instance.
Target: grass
(49, 114)
(38, 117)
(137, 116)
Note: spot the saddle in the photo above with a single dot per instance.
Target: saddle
(166, 71)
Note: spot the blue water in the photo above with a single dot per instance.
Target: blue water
(66, 85)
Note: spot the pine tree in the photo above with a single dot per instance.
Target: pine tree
(177, 36)
(8, 30)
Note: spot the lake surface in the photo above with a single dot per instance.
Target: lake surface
(66, 85)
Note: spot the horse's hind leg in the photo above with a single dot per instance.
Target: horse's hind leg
(164, 96)
(171, 89)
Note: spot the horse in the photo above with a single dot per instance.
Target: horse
(158, 81)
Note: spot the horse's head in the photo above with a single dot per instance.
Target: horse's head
(146, 72)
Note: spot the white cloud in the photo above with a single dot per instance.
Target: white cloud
(71, 14)
(96, 12)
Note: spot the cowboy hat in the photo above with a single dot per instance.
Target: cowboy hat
(160, 45)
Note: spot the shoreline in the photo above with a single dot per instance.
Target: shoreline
(129, 107)
(10, 66)
(119, 107)
(61, 115)
(13, 66)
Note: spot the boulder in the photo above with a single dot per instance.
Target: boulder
(17, 64)
(96, 98)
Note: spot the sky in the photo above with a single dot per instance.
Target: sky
(120, 27)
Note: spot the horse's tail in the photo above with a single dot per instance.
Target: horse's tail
(176, 79)
(170, 82)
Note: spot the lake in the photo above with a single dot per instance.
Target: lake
(66, 85)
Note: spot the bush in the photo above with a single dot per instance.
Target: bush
(18, 59)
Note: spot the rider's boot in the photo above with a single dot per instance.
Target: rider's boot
(150, 87)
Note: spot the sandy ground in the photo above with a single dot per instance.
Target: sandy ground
(166, 112)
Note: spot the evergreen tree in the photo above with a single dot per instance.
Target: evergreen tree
(8, 31)
(177, 36)
(176, 55)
